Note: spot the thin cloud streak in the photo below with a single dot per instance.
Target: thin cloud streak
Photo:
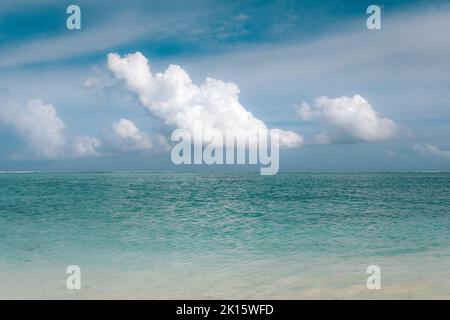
(118, 31)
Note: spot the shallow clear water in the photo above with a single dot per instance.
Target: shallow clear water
(199, 235)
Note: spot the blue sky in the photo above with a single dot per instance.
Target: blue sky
(61, 105)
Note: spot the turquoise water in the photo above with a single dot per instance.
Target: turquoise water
(201, 235)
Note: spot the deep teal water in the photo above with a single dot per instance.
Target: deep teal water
(224, 235)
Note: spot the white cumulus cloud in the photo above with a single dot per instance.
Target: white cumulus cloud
(42, 130)
(38, 124)
(83, 146)
(348, 119)
(127, 136)
(130, 136)
(172, 97)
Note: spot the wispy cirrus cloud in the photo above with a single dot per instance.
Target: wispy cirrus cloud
(432, 151)
(94, 37)
(354, 53)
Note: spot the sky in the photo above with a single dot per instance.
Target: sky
(108, 96)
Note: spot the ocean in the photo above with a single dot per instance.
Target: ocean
(147, 235)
